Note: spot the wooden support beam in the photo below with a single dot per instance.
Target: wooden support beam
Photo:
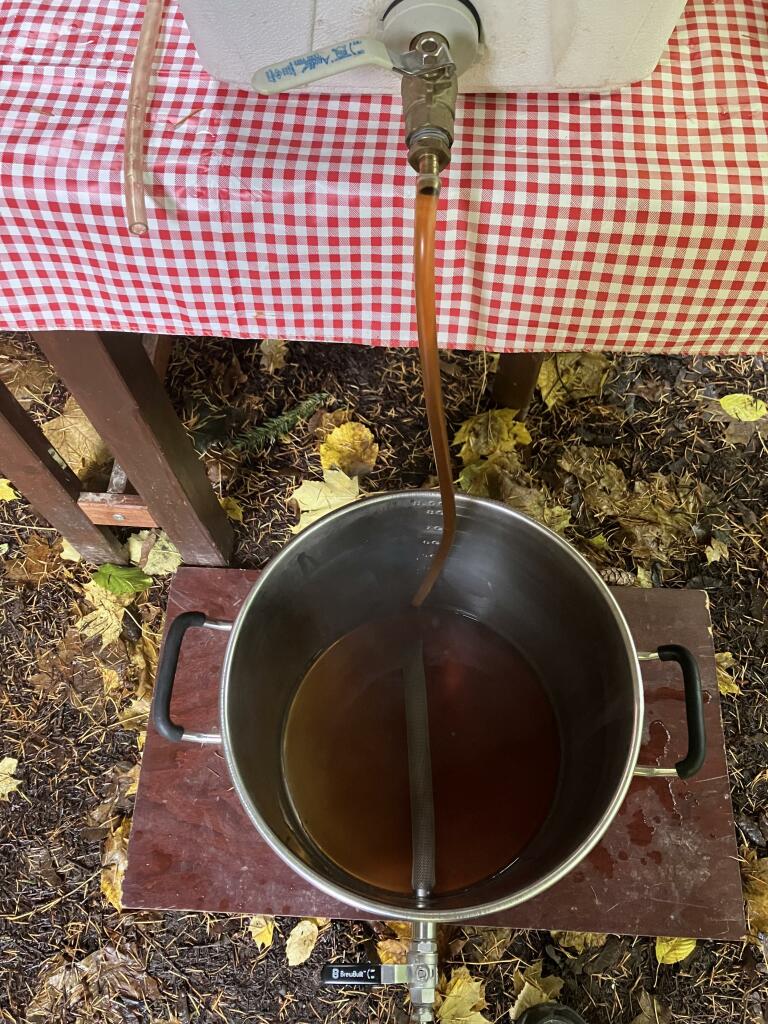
(516, 380)
(111, 377)
(26, 459)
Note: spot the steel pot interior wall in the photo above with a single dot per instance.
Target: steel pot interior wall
(506, 571)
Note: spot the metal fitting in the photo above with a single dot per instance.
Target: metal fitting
(422, 970)
(429, 101)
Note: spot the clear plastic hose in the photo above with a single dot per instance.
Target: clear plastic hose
(427, 192)
(133, 168)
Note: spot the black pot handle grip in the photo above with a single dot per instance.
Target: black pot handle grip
(166, 674)
(691, 764)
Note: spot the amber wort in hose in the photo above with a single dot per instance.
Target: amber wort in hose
(426, 320)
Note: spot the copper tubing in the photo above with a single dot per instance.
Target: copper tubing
(135, 117)
(427, 191)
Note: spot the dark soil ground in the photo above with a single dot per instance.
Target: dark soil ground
(653, 416)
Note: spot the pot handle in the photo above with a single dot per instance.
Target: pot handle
(166, 674)
(694, 713)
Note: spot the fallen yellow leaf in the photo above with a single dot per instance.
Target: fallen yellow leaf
(114, 862)
(135, 715)
(744, 408)
(652, 1011)
(27, 377)
(644, 578)
(105, 622)
(301, 942)
(531, 989)
(350, 448)
(273, 352)
(262, 930)
(673, 950)
(726, 684)
(482, 945)
(572, 375)
(490, 433)
(122, 782)
(233, 508)
(755, 874)
(91, 988)
(463, 999)
(716, 551)
(392, 951)
(402, 929)
(7, 491)
(75, 440)
(317, 498)
(163, 557)
(68, 552)
(8, 784)
(36, 561)
(324, 423)
(580, 940)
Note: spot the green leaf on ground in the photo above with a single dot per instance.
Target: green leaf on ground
(121, 579)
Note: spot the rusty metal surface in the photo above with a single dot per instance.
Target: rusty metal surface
(668, 865)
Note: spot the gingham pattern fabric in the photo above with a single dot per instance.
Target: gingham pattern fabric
(630, 221)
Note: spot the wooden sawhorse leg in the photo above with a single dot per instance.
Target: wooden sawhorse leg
(516, 380)
(25, 457)
(113, 380)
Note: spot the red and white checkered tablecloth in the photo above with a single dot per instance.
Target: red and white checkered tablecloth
(635, 220)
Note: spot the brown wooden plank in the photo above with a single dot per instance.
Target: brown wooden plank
(114, 509)
(668, 864)
(26, 459)
(112, 378)
(515, 380)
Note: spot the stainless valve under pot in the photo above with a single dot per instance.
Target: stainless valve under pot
(505, 571)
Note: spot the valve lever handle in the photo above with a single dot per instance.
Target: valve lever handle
(312, 67)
